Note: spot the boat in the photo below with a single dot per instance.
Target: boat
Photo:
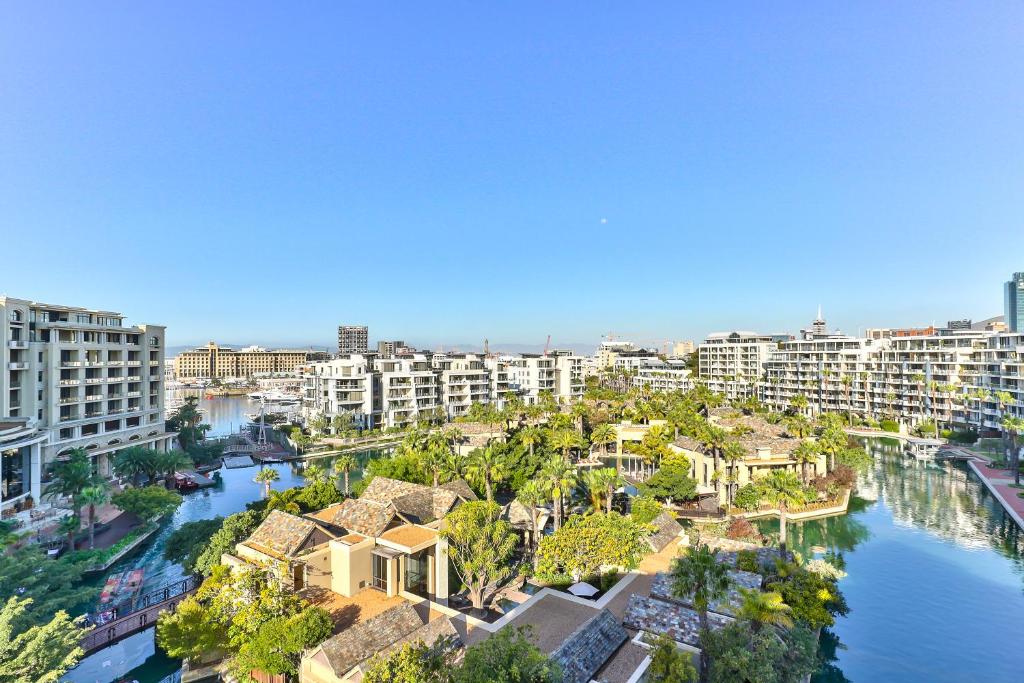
(119, 594)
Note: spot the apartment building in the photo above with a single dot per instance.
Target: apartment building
(503, 384)
(393, 347)
(1001, 369)
(346, 385)
(410, 389)
(221, 362)
(732, 363)
(353, 339)
(80, 378)
(608, 350)
(632, 361)
(682, 349)
(570, 382)
(670, 375)
(464, 380)
(533, 374)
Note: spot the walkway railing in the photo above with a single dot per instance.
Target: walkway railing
(142, 616)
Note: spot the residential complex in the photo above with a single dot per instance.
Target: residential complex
(732, 363)
(397, 390)
(670, 375)
(74, 378)
(353, 339)
(221, 362)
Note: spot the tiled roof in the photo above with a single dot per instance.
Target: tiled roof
(518, 515)
(682, 624)
(589, 647)
(418, 503)
(661, 588)
(282, 533)
(429, 634)
(460, 488)
(358, 515)
(358, 643)
(666, 530)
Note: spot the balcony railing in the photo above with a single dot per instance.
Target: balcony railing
(17, 344)
(17, 366)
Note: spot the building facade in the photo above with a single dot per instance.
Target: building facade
(221, 362)
(80, 378)
(732, 363)
(353, 339)
(1013, 303)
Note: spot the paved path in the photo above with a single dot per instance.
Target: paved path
(999, 483)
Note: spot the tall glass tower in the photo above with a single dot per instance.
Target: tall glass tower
(1013, 303)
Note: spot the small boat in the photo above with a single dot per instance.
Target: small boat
(183, 482)
(119, 592)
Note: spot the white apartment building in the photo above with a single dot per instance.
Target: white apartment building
(346, 385)
(671, 375)
(410, 389)
(570, 376)
(464, 380)
(502, 381)
(80, 378)
(532, 374)
(608, 350)
(632, 361)
(1001, 369)
(732, 363)
(830, 370)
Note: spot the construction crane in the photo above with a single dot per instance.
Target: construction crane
(547, 345)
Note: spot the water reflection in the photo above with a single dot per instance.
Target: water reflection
(936, 576)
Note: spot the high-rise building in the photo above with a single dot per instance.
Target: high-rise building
(732, 363)
(1013, 303)
(74, 378)
(353, 339)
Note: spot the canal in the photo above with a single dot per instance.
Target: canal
(137, 658)
(935, 578)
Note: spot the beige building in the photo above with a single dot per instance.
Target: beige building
(81, 378)
(220, 362)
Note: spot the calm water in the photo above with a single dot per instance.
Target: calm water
(936, 576)
(137, 658)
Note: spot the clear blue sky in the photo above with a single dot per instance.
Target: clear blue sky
(448, 171)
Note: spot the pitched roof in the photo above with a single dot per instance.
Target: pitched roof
(358, 643)
(366, 517)
(428, 634)
(682, 624)
(589, 647)
(281, 533)
(418, 503)
(666, 529)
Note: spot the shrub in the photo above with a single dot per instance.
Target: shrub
(748, 497)
(888, 425)
(740, 529)
(644, 509)
(746, 560)
(967, 437)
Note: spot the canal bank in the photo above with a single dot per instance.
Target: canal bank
(137, 657)
(935, 578)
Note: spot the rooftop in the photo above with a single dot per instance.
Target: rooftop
(282, 534)
(654, 616)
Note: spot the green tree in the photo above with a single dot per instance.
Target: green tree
(603, 435)
(585, 543)
(72, 476)
(236, 528)
(600, 484)
(669, 664)
(343, 465)
(92, 496)
(317, 496)
(643, 509)
(285, 501)
(508, 656)
(50, 584)
(480, 546)
(699, 576)
(37, 654)
(187, 541)
(278, 643)
(413, 663)
(169, 462)
(147, 502)
(806, 455)
(532, 495)
(190, 631)
(136, 462)
(738, 655)
(487, 467)
(813, 599)
(760, 608)
(560, 477)
(267, 476)
(671, 482)
(315, 473)
(531, 437)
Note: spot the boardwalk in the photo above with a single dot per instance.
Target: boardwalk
(148, 608)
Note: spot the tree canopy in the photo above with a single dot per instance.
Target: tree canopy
(585, 543)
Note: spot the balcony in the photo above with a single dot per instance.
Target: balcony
(17, 344)
(115, 363)
(133, 394)
(69, 399)
(67, 382)
(134, 378)
(95, 380)
(17, 366)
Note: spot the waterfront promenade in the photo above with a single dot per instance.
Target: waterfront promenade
(999, 483)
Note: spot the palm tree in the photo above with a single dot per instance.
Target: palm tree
(579, 413)
(531, 437)
(701, 578)
(560, 477)
(847, 382)
(732, 452)
(760, 608)
(805, 454)
(603, 435)
(134, 462)
(454, 435)
(91, 496)
(71, 477)
(265, 476)
(533, 494)
(1003, 399)
(454, 467)
(798, 425)
(169, 462)
(488, 467)
(285, 501)
(864, 376)
(783, 489)
(799, 403)
(565, 440)
(1014, 426)
(315, 474)
(433, 460)
(344, 464)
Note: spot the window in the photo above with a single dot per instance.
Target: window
(380, 573)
